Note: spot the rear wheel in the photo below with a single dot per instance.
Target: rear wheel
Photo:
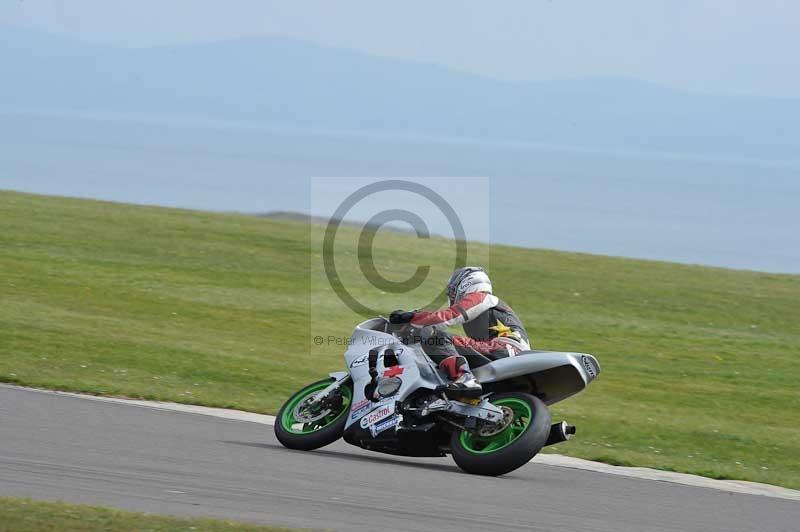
(525, 431)
(305, 424)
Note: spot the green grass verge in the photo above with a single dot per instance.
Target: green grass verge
(700, 365)
(25, 515)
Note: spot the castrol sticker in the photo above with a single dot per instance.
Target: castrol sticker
(380, 413)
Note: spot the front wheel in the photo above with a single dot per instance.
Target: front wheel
(527, 426)
(306, 425)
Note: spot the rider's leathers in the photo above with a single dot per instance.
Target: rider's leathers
(493, 328)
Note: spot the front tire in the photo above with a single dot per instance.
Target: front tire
(298, 434)
(511, 448)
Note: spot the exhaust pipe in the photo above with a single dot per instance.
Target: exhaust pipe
(560, 432)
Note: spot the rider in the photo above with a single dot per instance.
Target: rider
(493, 329)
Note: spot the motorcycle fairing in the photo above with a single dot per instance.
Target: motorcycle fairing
(553, 375)
(414, 369)
(370, 424)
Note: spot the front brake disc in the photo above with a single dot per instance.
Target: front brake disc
(308, 411)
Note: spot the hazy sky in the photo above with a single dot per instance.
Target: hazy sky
(707, 45)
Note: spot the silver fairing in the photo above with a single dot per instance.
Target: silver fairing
(555, 375)
(415, 369)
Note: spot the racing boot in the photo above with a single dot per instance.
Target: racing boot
(462, 383)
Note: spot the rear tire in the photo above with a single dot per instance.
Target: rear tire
(306, 437)
(513, 447)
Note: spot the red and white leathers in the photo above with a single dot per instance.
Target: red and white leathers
(493, 329)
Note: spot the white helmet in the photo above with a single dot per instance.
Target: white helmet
(466, 281)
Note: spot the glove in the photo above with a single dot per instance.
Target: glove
(398, 317)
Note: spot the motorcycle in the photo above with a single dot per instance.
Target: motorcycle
(393, 400)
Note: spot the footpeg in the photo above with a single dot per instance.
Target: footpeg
(435, 406)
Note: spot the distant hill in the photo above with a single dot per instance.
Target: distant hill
(292, 216)
(283, 82)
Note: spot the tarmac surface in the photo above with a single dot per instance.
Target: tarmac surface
(59, 447)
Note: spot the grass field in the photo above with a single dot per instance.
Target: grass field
(25, 515)
(700, 365)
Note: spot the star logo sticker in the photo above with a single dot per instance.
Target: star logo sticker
(503, 330)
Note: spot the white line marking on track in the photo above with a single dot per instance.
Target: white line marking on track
(557, 460)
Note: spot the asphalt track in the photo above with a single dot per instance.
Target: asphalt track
(66, 448)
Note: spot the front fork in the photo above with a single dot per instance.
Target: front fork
(339, 378)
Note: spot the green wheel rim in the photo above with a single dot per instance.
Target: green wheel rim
(290, 424)
(523, 415)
